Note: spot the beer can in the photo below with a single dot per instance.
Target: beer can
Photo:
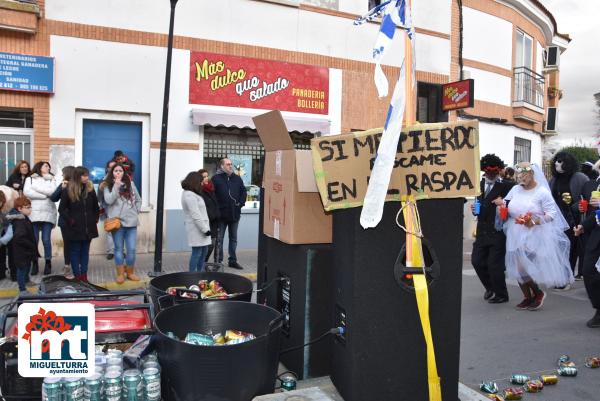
(151, 365)
(549, 379)
(114, 361)
(489, 387)
(151, 358)
(113, 388)
(133, 389)
(513, 393)
(51, 389)
(151, 381)
(73, 387)
(92, 390)
(569, 371)
(533, 386)
(117, 353)
(519, 379)
(563, 359)
(592, 362)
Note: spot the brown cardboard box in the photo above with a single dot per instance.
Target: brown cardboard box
(293, 210)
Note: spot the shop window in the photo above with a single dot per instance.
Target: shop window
(16, 118)
(429, 103)
(522, 150)
(241, 143)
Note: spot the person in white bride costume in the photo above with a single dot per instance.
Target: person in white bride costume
(537, 249)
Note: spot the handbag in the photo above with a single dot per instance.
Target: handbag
(113, 223)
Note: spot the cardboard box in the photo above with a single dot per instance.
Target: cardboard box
(293, 210)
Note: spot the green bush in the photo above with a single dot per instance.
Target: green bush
(582, 154)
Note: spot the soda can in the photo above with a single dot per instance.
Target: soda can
(151, 358)
(549, 379)
(133, 388)
(519, 379)
(99, 370)
(495, 397)
(114, 361)
(513, 393)
(113, 388)
(533, 386)
(489, 387)
(151, 381)
(151, 365)
(117, 353)
(592, 362)
(92, 390)
(114, 369)
(73, 387)
(563, 359)
(569, 371)
(51, 389)
(288, 383)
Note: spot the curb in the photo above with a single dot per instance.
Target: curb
(111, 285)
(468, 394)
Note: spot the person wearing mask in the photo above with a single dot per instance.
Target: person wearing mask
(39, 187)
(487, 257)
(67, 173)
(196, 220)
(110, 244)
(537, 248)
(231, 195)
(79, 209)
(124, 203)
(16, 180)
(588, 169)
(23, 243)
(212, 209)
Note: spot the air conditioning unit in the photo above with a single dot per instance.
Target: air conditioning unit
(551, 57)
(551, 119)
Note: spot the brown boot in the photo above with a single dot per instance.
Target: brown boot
(130, 274)
(120, 274)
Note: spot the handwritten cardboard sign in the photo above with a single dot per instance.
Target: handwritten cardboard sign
(439, 160)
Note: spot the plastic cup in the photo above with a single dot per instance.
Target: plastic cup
(503, 212)
(584, 204)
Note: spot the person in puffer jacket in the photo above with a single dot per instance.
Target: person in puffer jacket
(39, 187)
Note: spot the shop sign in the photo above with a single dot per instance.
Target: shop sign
(437, 160)
(21, 72)
(222, 80)
(458, 95)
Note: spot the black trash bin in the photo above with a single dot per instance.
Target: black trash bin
(218, 373)
(232, 283)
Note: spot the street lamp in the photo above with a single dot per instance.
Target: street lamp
(160, 201)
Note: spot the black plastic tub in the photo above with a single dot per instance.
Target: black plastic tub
(233, 284)
(218, 373)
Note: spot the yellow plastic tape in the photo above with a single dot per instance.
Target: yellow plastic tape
(414, 258)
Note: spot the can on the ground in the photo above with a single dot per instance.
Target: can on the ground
(549, 379)
(569, 371)
(73, 389)
(592, 362)
(51, 389)
(151, 381)
(113, 387)
(519, 379)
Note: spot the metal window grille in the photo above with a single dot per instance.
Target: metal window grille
(522, 150)
(529, 87)
(13, 148)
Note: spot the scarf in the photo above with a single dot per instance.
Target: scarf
(208, 187)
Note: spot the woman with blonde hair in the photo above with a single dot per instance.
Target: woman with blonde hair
(80, 211)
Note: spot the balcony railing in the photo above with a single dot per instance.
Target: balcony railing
(529, 87)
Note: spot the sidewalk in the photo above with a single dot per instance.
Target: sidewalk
(102, 271)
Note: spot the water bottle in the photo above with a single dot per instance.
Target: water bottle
(476, 207)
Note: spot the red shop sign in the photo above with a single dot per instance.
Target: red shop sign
(222, 80)
(458, 95)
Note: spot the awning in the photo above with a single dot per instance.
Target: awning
(243, 118)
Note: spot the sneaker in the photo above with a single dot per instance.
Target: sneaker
(524, 304)
(235, 265)
(68, 273)
(538, 301)
(594, 322)
(563, 288)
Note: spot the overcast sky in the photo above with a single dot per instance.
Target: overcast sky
(579, 65)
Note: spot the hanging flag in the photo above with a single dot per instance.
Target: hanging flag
(396, 14)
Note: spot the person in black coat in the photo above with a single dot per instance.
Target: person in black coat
(212, 209)
(80, 211)
(23, 243)
(490, 244)
(589, 233)
(16, 180)
(231, 195)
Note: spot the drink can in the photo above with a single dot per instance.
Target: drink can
(151, 358)
(569, 371)
(519, 379)
(533, 386)
(92, 389)
(151, 364)
(114, 361)
(151, 380)
(117, 353)
(112, 386)
(592, 362)
(73, 387)
(549, 379)
(114, 369)
(133, 389)
(489, 387)
(51, 389)
(288, 384)
(513, 393)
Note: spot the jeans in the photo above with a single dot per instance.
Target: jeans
(22, 277)
(80, 256)
(66, 250)
(232, 227)
(125, 237)
(46, 232)
(197, 258)
(110, 244)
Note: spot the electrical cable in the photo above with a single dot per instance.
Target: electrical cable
(335, 330)
(270, 284)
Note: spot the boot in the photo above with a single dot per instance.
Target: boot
(131, 275)
(68, 273)
(35, 269)
(47, 267)
(84, 277)
(595, 321)
(120, 274)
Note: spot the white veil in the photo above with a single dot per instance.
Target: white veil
(559, 220)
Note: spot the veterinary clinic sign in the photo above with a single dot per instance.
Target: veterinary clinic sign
(439, 160)
(223, 80)
(21, 72)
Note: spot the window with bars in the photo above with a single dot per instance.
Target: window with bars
(16, 118)
(522, 150)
